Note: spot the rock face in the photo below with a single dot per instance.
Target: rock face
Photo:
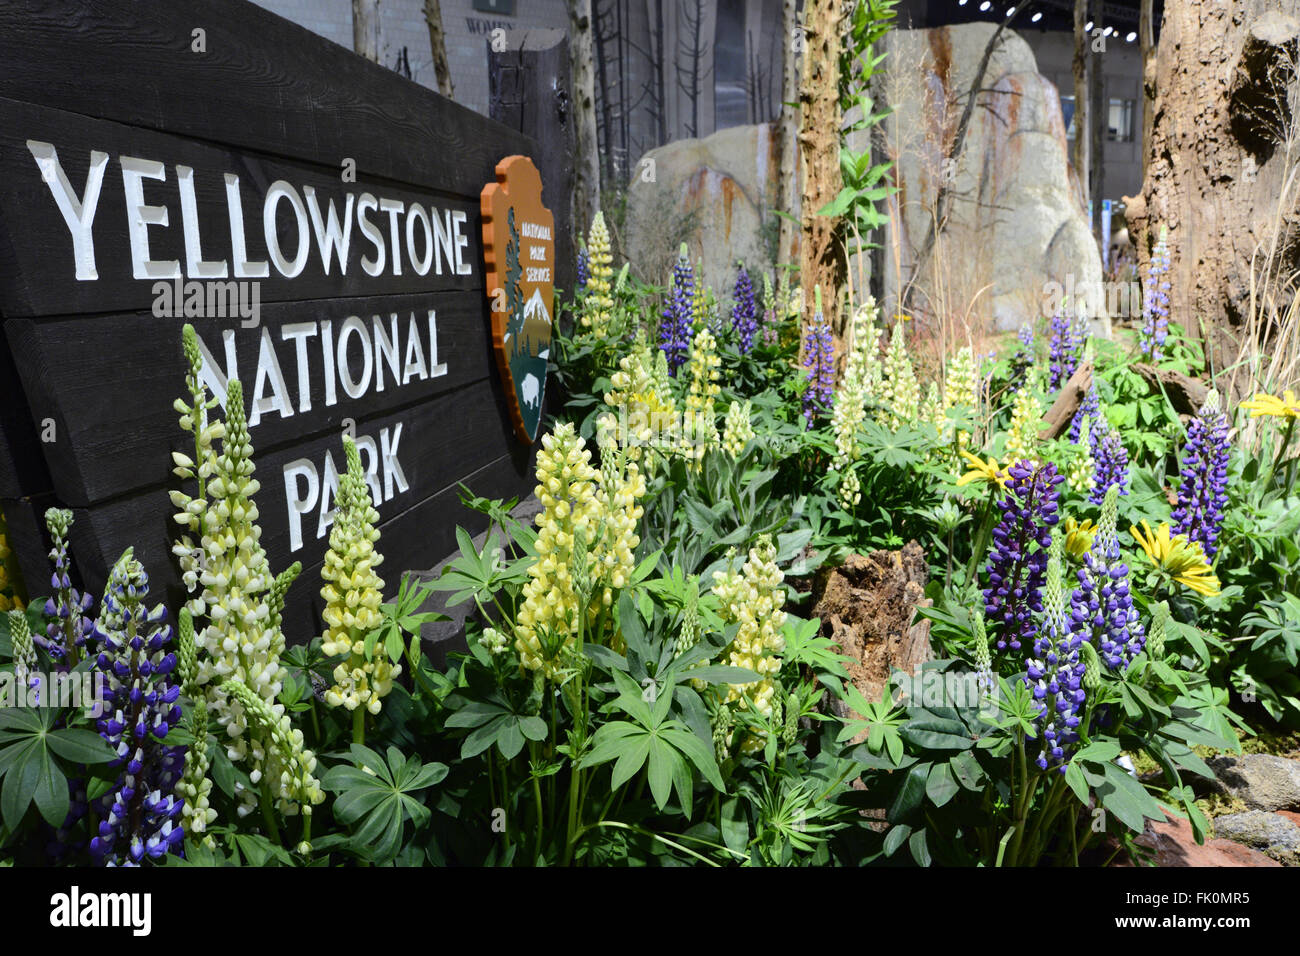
(1270, 833)
(1261, 781)
(715, 194)
(1016, 221)
(867, 605)
(1175, 845)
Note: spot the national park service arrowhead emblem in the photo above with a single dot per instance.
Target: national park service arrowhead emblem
(519, 264)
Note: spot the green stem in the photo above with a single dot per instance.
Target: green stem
(359, 726)
(1290, 465)
(268, 811)
(1277, 459)
(505, 798)
(664, 840)
(981, 538)
(537, 798)
(572, 832)
(1002, 844)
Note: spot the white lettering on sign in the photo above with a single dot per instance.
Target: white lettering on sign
(195, 265)
(244, 269)
(436, 239)
(78, 213)
(389, 354)
(306, 489)
(287, 267)
(140, 216)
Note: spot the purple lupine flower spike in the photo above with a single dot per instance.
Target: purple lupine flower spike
(69, 626)
(1101, 608)
(744, 313)
(1055, 672)
(1089, 410)
(1061, 358)
(819, 362)
(1018, 555)
(1155, 301)
(584, 269)
(676, 329)
(1111, 460)
(1203, 490)
(140, 814)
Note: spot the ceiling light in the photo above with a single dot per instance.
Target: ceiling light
(1036, 17)
(1131, 37)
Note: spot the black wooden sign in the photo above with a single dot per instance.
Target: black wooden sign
(313, 215)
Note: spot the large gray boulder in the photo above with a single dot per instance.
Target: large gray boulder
(1016, 222)
(1260, 781)
(1270, 833)
(715, 194)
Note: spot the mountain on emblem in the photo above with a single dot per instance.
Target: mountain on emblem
(519, 256)
(535, 305)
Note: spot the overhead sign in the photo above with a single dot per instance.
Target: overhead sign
(519, 255)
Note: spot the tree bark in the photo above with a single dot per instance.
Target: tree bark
(365, 29)
(1082, 137)
(438, 46)
(586, 161)
(788, 135)
(1223, 162)
(1099, 114)
(606, 122)
(1147, 42)
(821, 262)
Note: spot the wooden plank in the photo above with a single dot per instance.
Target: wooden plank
(109, 381)
(25, 519)
(201, 116)
(431, 446)
(507, 477)
(44, 275)
(22, 466)
(260, 83)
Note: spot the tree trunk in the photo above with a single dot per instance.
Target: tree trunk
(606, 123)
(1082, 137)
(660, 65)
(1147, 41)
(821, 259)
(438, 44)
(365, 29)
(788, 133)
(1222, 167)
(1099, 114)
(586, 161)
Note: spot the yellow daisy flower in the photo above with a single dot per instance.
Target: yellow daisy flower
(1182, 560)
(1288, 406)
(988, 472)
